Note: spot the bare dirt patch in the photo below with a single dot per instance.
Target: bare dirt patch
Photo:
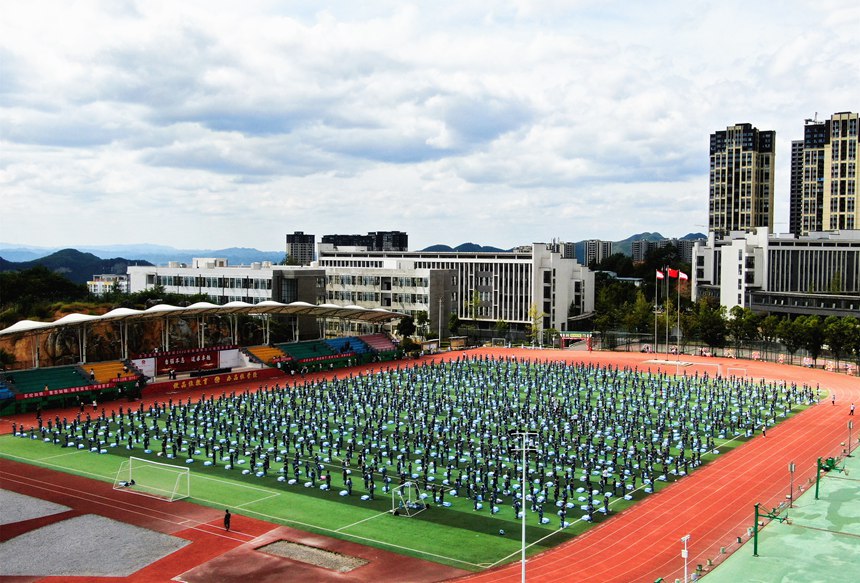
(313, 556)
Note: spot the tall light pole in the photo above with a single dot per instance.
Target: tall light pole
(527, 445)
(685, 554)
(440, 323)
(791, 485)
(850, 427)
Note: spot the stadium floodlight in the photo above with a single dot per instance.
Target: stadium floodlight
(153, 479)
(524, 447)
(685, 554)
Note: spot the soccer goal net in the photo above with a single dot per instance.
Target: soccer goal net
(406, 500)
(500, 342)
(153, 479)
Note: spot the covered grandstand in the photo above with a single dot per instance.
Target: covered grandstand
(43, 387)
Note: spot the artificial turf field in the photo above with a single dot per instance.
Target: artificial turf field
(458, 535)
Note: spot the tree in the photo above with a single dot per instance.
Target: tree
(742, 326)
(501, 327)
(618, 263)
(711, 322)
(454, 324)
(37, 286)
(406, 327)
(838, 332)
(640, 316)
(689, 328)
(473, 304)
(535, 326)
(854, 341)
(422, 321)
(767, 330)
(811, 335)
(789, 333)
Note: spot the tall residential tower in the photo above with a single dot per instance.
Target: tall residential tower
(300, 248)
(741, 179)
(824, 178)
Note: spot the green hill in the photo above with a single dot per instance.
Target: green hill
(74, 265)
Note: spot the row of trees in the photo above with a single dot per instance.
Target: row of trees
(708, 323)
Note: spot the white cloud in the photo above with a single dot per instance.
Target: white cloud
(210, 124)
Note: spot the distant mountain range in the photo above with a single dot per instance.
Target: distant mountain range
(155, 254)
(625, 246)
(76, 266)
(464, 248)
(80, 265)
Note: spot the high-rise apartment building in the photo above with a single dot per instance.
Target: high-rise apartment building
(300, 248)
(824, 178)
(597, 250)
(842, 183)
(741, 179)
(795, 200)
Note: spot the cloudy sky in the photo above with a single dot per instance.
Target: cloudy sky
(213, 124)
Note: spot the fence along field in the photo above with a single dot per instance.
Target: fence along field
(607, 437)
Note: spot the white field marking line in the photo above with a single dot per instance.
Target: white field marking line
(274, 518)
(231, 483)
(353, 536)
(553, 533)
(146, 511)
(74, 471)
(50, 457)
(362, 520)
(274, 495)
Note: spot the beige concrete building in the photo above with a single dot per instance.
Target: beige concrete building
(824, 178)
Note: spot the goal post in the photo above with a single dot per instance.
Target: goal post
(154, 479)
(712, 369)
(406, 500)
(499, 342)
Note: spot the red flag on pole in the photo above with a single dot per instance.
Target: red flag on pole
(660, 275)
(682, 275)
(673, 273)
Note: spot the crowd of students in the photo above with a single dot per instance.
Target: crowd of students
(594, 434)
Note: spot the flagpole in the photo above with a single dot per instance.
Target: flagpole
(666, 309)
(656, 293)
(678, 338)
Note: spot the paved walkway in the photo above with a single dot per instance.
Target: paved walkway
(821, 543)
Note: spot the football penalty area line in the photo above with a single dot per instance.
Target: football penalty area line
(231, 483)
(275, 495)
(50, 457)
(65, 469)
(362, 520)
(356, 537)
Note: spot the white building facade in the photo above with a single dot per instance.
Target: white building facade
(532, 282)
(105, 283)
(817, 274)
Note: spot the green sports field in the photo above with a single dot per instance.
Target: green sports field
(456, 536)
